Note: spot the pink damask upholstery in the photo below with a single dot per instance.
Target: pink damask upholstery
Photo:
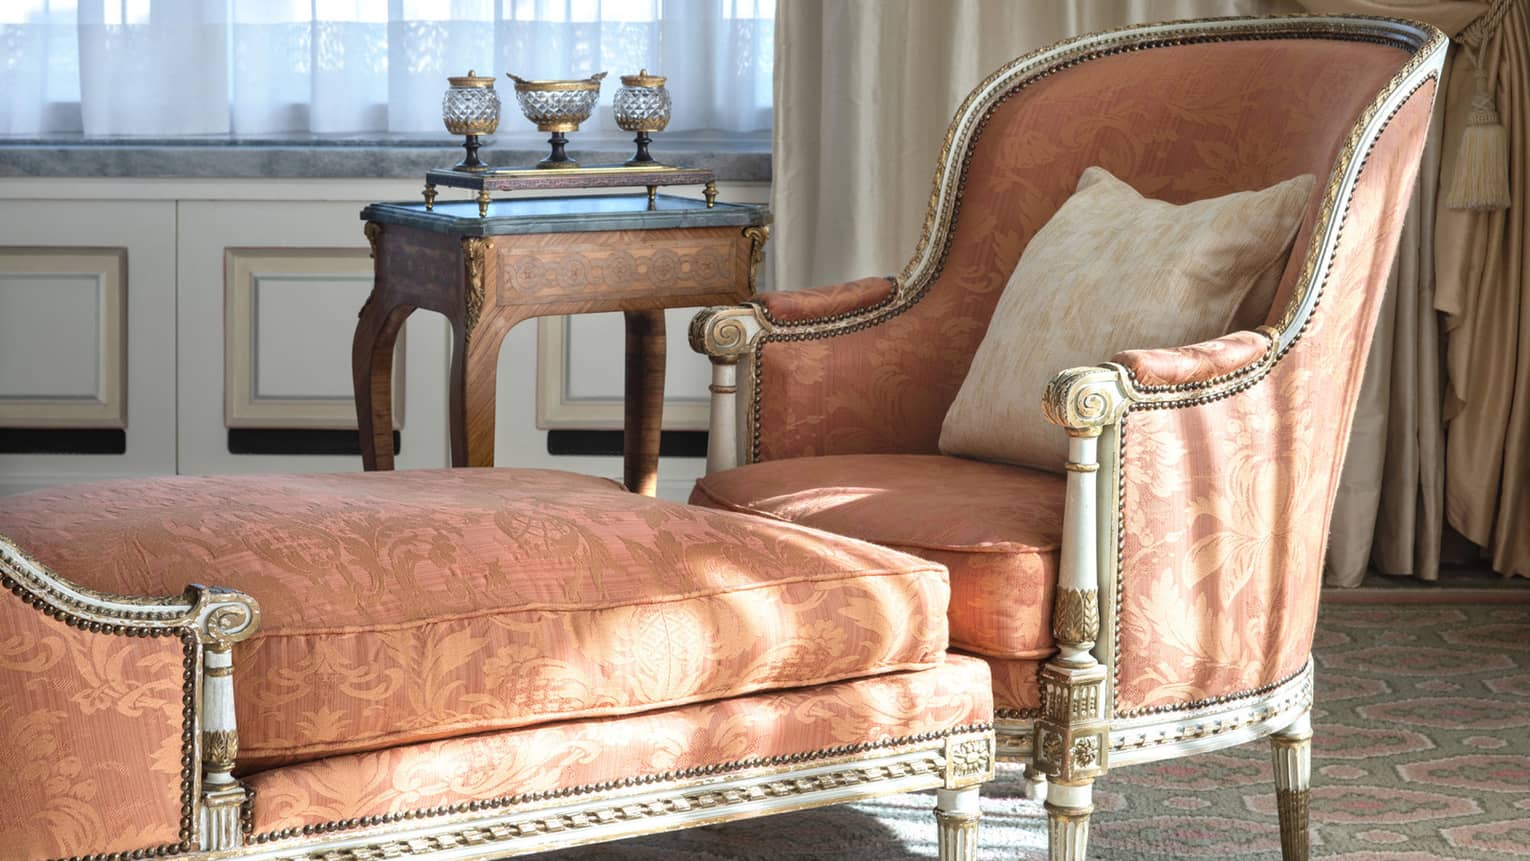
(816, 303)
(1196, 363)
(495, 768)
(1226, 505)
(1177, 123)
(90, 738)
(403, 607)
(997, 528)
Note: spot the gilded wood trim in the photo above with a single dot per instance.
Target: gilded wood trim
(574, 816)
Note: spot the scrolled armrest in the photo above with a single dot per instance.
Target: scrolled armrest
(726, 332)
(1206, 362)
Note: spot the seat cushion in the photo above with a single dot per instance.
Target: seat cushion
(406, 606)
(997, 528)
(800, 726)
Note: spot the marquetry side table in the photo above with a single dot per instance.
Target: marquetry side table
(531, 257)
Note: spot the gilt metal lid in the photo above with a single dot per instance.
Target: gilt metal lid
(643, 79)
(472, 80)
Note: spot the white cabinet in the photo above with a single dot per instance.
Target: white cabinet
(180, 314)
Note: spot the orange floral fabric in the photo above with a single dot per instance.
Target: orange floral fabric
(90, 738)
(1226, 504)
(516, 762)
(1177, 123)
(1016, 691)
(404, 606)
(997, 529)
(1196, 363)
(818, 302)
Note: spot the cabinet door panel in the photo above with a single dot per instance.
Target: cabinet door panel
(87, 319)
(269, 293)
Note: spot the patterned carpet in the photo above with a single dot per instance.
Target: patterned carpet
(1422, 752)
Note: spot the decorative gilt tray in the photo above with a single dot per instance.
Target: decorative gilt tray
(594, 176)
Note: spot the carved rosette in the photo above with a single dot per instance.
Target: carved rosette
(969, 760)
(726, 332)
(757, 236)
(475, 252)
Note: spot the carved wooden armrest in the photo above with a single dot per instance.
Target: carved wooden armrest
(1089, 403)
(104, 663)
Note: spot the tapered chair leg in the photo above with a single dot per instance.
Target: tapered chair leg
(1068, 808)
(956, 822)
(1292, 749)
(1035, 788)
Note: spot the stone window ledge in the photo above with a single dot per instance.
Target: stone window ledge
(735, 158)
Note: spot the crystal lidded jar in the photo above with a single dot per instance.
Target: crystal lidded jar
(642, 105)
(471, 107)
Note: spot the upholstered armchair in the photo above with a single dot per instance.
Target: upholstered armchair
(1156, 597)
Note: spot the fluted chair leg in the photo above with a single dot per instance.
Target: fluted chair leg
(956, 821)
(1292, 749)
(1068, 808)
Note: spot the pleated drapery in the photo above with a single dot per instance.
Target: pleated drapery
(1483, 265)
(864, 92)
(1449, 442)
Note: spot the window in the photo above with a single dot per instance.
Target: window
(273, 67)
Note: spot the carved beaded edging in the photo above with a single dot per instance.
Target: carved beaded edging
(1298, 694)
(623, 783)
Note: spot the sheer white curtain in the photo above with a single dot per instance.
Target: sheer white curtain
(263, 67)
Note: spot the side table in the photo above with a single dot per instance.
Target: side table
(532, 257)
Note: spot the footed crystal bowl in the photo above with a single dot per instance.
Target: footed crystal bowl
(558, 106)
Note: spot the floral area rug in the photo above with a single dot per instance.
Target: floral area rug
(1421, 753)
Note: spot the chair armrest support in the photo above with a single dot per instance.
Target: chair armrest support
(122, 671)
(728, 334)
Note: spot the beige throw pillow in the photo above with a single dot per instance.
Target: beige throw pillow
(1111, 271)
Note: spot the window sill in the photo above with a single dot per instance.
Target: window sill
(734, 158)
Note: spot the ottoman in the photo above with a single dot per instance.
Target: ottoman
(453, 664)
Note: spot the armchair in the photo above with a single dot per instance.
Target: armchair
(1156, 596)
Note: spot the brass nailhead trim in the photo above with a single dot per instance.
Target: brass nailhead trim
(572, 791)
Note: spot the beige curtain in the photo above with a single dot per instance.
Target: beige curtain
(1484, 291)
(1402, 479)
(1390, 505)
(864, 92)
